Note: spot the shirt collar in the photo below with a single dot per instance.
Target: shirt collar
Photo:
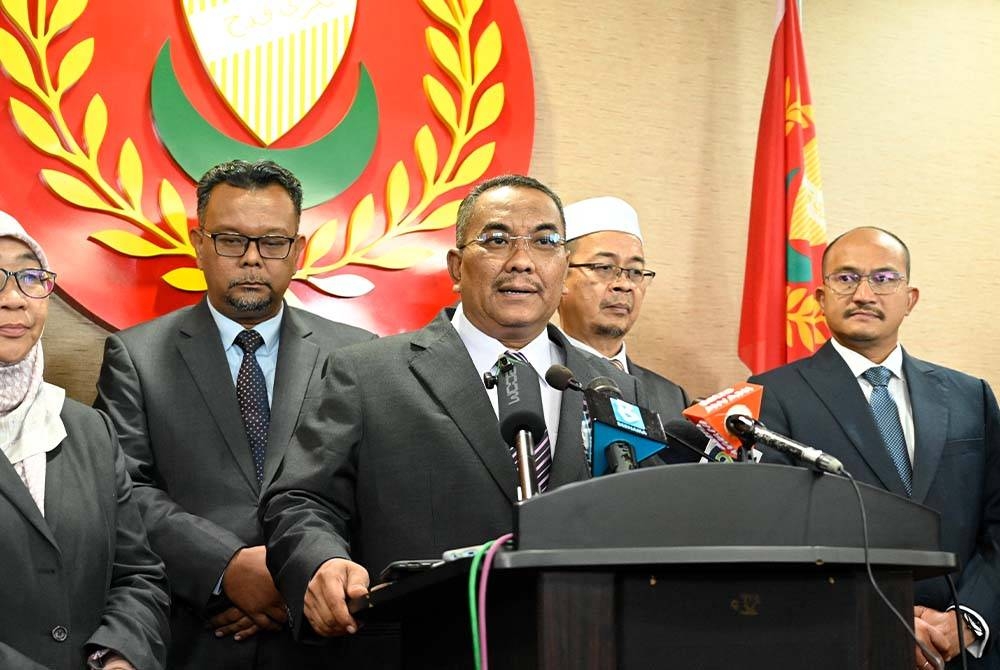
(858, 363)
(270, 329)
(485, 350)
(621, 356)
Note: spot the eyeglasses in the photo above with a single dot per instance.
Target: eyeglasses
(884, 282)
(232, 245)
(32, 282)
(609, 272)
(501, 243)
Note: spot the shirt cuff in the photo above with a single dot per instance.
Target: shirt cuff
(976, 648)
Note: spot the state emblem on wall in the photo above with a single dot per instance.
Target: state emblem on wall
(387, 110)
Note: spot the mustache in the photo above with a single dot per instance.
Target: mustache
(508, 283)
(615, 303)
(871, 311)
(250, 279)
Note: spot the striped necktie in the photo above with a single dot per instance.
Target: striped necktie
(617, 363)
(542, 452)
(886, 416)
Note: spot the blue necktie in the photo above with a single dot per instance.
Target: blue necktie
(886, 416)
(251, 391)
(542, 452)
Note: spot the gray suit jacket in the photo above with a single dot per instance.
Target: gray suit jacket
(666, 399)
(169, 391)
(956, 468)
(83, 577)
(401, 457)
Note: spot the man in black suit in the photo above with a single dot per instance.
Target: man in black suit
(605, 288)
(205, 427)
(912, 427)
(402, 456)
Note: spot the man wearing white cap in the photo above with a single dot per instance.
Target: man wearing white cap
(606, 284)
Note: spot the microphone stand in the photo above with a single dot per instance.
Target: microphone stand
(527, 478)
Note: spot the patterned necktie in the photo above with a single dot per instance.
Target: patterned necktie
(617, 363)
(252, 394)
(542, 452)
(887, 418)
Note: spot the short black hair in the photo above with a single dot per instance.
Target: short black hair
(513, 180)
(246, 175)
(906, 249)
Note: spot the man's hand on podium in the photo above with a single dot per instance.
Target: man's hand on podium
(325, 605)
(939, 631)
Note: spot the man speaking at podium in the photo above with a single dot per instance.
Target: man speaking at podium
(401, 456)
(914, 428)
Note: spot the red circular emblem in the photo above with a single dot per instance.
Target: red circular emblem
(388, 110)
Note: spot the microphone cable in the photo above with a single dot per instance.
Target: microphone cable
(934, 659)
(958, 619)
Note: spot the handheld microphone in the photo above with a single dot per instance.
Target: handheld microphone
(522, 424)
(710, 415)
(688, 436)
(614, 421)
(561, 377)
(753, 429)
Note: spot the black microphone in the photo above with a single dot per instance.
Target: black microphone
(522, 424)
(689, 436)
(752, 429)
(561, 377)
(606, 386)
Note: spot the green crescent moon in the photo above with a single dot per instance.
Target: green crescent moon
(325, 167)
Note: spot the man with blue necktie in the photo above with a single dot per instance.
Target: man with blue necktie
(917, 429)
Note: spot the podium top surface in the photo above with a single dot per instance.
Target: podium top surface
(722, 505)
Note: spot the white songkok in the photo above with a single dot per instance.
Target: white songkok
(602, 214)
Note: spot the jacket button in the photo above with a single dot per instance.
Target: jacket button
(59, 633)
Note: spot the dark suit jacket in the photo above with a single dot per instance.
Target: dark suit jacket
(83, 577)
(402, 458)
(664, 396)
(956, 468)
(169, 391)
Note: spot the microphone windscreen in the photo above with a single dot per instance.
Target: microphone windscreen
(682, 437)
(606, 386)
(559, 377)
(519, 402)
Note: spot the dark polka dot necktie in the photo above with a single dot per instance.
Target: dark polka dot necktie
(251, 391)
(886, 415)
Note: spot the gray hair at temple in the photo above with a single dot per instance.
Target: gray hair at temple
(468, 205)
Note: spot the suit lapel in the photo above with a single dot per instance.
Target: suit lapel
(442, 364)
(929, 403)
(569, 463)
(199, 345)
(14, 490)
(296, 360)
(831, 379)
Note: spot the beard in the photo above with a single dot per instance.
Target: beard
(250, 305)
(603, 330)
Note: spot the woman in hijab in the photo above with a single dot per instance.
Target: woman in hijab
(79, 585)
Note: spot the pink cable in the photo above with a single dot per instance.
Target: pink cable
(484, 576)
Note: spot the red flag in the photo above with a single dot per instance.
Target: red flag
(781, 320)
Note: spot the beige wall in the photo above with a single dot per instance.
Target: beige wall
(658, 101)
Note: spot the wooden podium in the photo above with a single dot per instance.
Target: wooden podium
(690, 566)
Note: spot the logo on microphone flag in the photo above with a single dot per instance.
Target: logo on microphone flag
(710, 414)
(781, 320)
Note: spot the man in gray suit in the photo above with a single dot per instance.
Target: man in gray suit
(605, 288)
(401, 456)
(912, 427)
(205, 426)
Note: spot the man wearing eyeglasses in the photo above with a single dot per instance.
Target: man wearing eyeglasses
(205, 399)
(605, 287)
(914, 428)
(402, 457)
